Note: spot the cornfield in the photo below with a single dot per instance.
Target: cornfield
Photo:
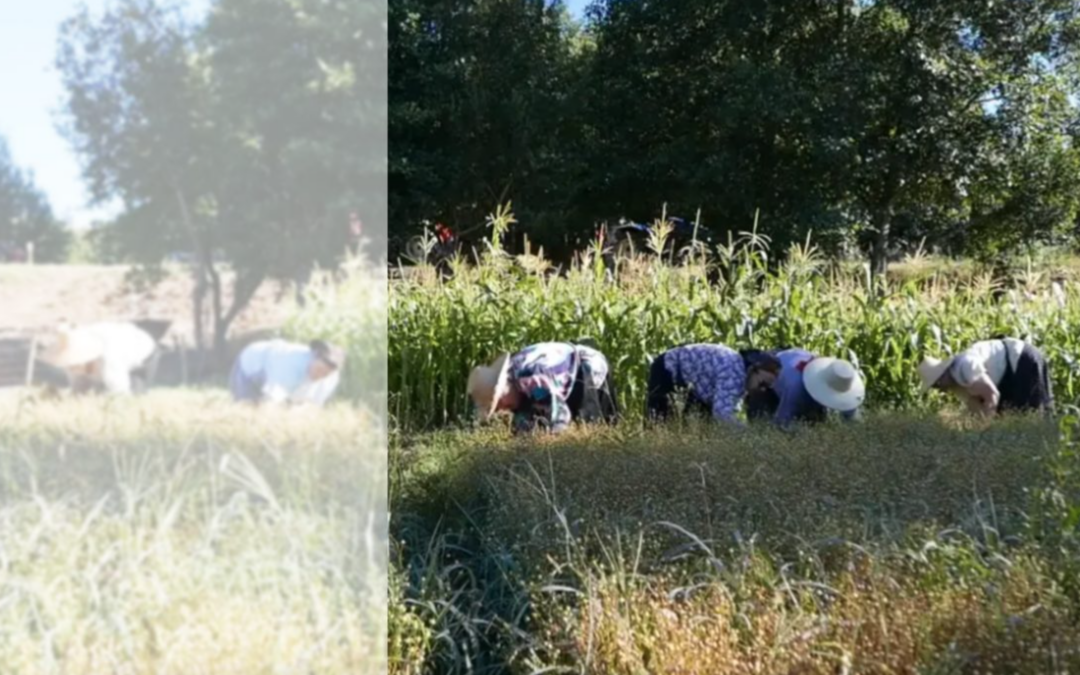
(743, 296)
(349, 309)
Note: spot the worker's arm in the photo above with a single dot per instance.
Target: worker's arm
(725, 404)
(544, 398)
(729, 390)
(116, 377)
(983, 395)
(319, 392)
(274, 393)
(789, 391)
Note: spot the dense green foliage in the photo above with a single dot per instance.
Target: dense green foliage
(870, 123)
(25, 214)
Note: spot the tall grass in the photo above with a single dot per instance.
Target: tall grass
(909, 544)
(180, 533)
(442, 327)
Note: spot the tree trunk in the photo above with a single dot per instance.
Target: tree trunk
(198, 295)
(199, 272)
(244, 288)
(218, 346)
(879, 251)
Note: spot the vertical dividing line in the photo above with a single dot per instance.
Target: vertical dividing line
(179, 347)
(32, 358)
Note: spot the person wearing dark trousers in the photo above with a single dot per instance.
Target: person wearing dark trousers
(549, 384)
(715, 379)
(993, 377)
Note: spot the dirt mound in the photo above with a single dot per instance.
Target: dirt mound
(34, 298)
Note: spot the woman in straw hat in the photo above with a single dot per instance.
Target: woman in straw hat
(551, 384)
(808, 388)
(993, 376)
(278, 371)
(715, 378)
(101, 356)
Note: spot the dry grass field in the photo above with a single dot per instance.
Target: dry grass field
(179, 533)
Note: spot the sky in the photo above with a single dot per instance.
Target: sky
(30, 100)
(31, 95)
(577, 7)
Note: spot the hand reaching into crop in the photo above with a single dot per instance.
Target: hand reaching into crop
(985, 395)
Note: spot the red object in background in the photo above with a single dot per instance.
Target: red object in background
(11, 253)
(444, 233)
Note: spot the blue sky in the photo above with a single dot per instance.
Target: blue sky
(31, 95)
(577, 6)
(30, 98)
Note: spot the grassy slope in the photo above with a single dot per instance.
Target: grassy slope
(902, 545)
(180, 534)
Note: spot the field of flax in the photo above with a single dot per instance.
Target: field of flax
(912, 544)
(179, 533)
(439, 328)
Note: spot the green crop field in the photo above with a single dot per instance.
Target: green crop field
(917, 542)
(439, 329)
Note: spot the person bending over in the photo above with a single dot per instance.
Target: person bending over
(993, 377)
(714, 377)
(807, 389)
(549, 384)
(277, 371)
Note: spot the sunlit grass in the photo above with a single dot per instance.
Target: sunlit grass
(180, 533)
(899, 545)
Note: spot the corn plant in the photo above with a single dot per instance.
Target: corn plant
(440, 328)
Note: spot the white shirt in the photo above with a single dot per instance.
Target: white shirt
(125, 348)
(989, 357)
(283, 369)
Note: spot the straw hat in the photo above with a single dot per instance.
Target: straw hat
(72, 347)
(931, 370)
(834, 383)
(488, 384)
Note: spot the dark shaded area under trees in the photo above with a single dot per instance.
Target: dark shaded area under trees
(873, 124)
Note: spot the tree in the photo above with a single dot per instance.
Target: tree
(479, 111)
(930, 94)
(254, 134)
(25, 214)
(712, 105)
(879, 122)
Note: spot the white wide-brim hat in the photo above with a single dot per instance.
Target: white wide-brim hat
(488, 384)
(931, 370)
(72, 347)
(834, 383)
